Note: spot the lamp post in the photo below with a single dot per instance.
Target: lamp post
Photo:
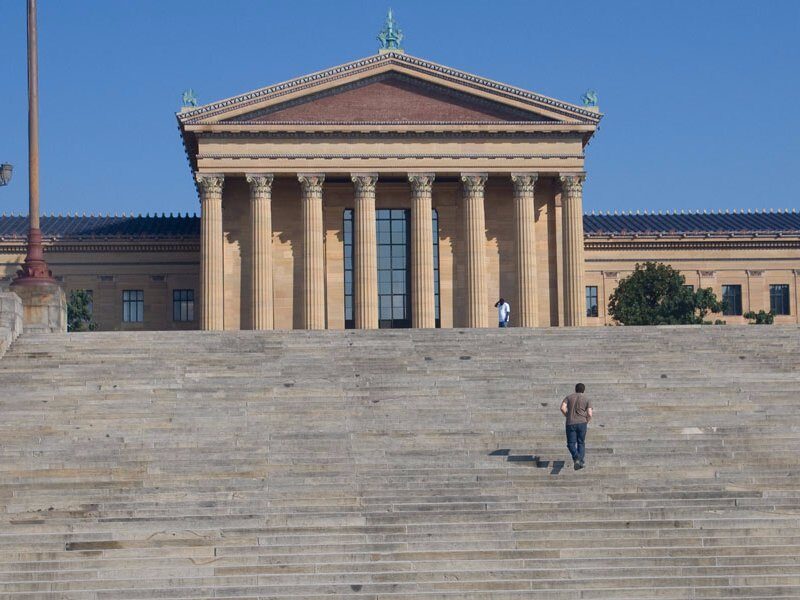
(34, 270)
(6, 171)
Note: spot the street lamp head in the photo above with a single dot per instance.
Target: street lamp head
(6, 170)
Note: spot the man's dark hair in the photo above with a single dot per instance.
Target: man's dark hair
(580, 388)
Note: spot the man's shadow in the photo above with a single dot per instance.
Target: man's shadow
(555, 465)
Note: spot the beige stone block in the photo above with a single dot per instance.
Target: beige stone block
(44, 307)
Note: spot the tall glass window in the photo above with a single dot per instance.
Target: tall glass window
(394, 267)
(437, 308)
(133, 306)
(779, 299)
(732, 296)
(183, 305)
(591, 301)
(347, 229)
(394, 262)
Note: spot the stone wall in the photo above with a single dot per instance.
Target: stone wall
(160, 267)
(10, 319)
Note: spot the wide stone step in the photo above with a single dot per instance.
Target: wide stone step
(400, 464)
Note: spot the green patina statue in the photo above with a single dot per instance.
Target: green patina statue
(188, 98)
(589, 98)
(390, 36)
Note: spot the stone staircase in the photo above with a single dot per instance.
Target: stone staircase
(408, 465)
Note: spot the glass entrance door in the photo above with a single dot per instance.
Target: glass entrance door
(394, 268)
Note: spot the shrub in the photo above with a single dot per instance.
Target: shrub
(657, 294)
(760, 318)
(79, 312)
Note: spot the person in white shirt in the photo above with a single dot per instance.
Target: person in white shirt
(503, 312)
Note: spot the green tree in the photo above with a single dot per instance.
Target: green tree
(657, 294)
(79, 311)
(760, 318)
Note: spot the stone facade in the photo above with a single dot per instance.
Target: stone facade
(162, 268)
(278, 169)
(358, 137)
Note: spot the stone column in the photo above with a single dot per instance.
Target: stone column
(212, 304)
(313, 258)
(572, 232)
(525, 222)
(261, 250)
(475, 246)
(365, 252)
(423, 307)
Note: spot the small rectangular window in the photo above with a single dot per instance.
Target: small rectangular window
(779, 299)
(183, 305)
(689, 287)
(732, 297)
(591, 301)
(133, 306)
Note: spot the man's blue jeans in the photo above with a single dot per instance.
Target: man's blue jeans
(503, 323)
(576, 435)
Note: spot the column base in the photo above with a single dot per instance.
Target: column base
(44, 306)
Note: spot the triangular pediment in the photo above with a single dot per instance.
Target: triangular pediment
(388, 88)
(389, 98)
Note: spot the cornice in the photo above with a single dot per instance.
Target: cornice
(591, 244)
(65, 245)
(188, 245)
(347, 156)
(369, 63)
(400, 134)
(477, 82)
(389, 123)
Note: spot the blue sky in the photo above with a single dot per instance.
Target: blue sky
(701, 97)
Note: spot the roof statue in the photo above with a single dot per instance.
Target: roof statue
(189, 98)
(589, 98)
(390, 36)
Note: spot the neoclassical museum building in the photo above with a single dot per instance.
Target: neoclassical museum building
(396, 192)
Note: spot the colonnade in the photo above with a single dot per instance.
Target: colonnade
(365, 250)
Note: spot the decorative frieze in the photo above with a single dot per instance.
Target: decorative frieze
(382, 156)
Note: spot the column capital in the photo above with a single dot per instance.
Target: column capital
(311, 181)
(421, 183)
(209, 183)
(572, 183)
(260, 183)
(474, 181)
(524, 182)
(364, 182)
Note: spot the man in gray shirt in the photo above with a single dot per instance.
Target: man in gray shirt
(577, 409)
